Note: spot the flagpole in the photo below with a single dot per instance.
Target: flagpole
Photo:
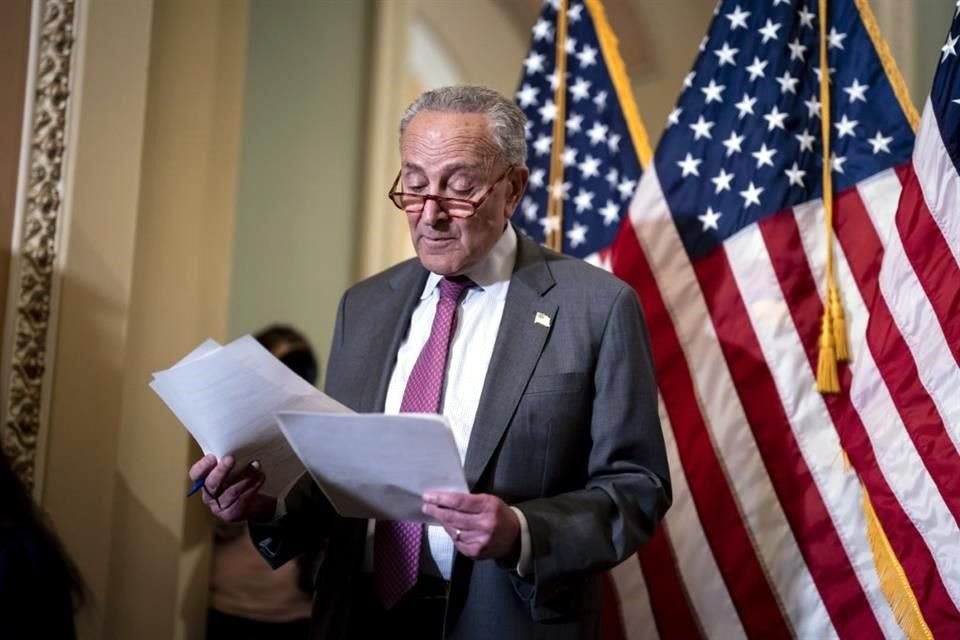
(555, 196)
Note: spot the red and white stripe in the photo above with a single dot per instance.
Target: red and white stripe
(767, 536)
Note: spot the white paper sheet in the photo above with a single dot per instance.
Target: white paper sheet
(375, 465)
(226, 397)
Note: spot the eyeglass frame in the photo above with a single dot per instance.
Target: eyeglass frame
(440, 200)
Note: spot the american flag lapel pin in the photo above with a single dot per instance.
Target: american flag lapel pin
(542, 319)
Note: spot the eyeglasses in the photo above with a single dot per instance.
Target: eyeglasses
(455, 207)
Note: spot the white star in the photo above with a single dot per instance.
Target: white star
(756, 69)
(583, 200)
(722, 181)
(529, 208)
(577, 235)
(580, 89)
(881, 143)
(613, 142)
(536, 178)
(570, 46)
(806, 140)
(589, 168)
(598, 133)
(587, 56)
(690, 165)
(709, 219)
(813, 107)
(610, 213)
(703, 41)
(542, 145)
(688, 80)
(527, 129)
(726, 54)
(612, 177)
(745, 106)
(712, 91)
(751, 195)
(573, 13)
(796, 49)
(738, 18)
(554, 79)
(733, 143)
(957, 101)
(835, 39)
(701, 129)
(845, 126)
(777, 3)
(818, 73)
(550, 224)
(806, 18)
(600, 101)
(543, 30)
(788, 83)
(574, 122)
(795, 175)
(527, 96)
(950, 48)
(836, 162)
(764, 155)
(569, 156)
(560, 190)
(674, 117)
(856, 91)
(555, 4)
(769, 30)
(534, 62)
(548, 112)
(626, 188)
(775, 118)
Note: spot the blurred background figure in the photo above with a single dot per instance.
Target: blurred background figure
(248, 599)
(40, 587)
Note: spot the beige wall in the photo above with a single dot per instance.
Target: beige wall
(145, 278)
(14, 41)
(301, 167)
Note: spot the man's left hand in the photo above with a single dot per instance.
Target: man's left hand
(481, 526)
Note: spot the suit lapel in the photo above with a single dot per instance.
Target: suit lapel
(524, 329)
(399, 301)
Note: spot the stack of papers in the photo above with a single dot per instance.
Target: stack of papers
(239, 400)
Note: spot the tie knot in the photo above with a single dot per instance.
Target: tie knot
(453, 287)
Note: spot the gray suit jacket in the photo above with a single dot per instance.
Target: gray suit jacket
(567, 430)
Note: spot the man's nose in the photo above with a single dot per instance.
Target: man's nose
(433, 212)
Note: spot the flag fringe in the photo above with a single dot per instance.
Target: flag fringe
(827, 379)
(841, 349)
(893, 580)
(609, 46)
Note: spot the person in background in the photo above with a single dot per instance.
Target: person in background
(248, 599)
(40, 587)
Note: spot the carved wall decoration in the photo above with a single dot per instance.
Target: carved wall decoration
(49, 84)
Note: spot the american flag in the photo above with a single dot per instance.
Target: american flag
(795, 514)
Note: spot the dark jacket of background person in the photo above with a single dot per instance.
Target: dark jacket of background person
(40, 587)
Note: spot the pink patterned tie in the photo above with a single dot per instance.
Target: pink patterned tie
(396, 545)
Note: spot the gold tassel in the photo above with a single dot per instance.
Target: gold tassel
(839, 324)
(893, 581)
(827, 379)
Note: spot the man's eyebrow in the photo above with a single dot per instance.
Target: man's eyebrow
(448, 169)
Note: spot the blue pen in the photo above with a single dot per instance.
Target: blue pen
(197, 485)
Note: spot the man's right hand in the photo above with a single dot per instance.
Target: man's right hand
(233, 498)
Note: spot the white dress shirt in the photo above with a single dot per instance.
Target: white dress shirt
(478, 322)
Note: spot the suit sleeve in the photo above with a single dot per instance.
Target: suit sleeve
(309, 517)
(628, 486)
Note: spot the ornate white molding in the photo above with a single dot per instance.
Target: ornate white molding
(39, 216)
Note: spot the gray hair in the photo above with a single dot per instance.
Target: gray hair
(507, 122)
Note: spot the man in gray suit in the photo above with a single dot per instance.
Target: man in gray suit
(541, 363)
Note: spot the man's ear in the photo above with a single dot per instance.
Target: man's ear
(516, 185)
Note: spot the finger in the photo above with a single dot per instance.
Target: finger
(219, 473)
(249, 481)
(202, 466)
(450, 518)
(234, 507)
(471, 503)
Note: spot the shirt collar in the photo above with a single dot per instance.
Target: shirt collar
(492, 274)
